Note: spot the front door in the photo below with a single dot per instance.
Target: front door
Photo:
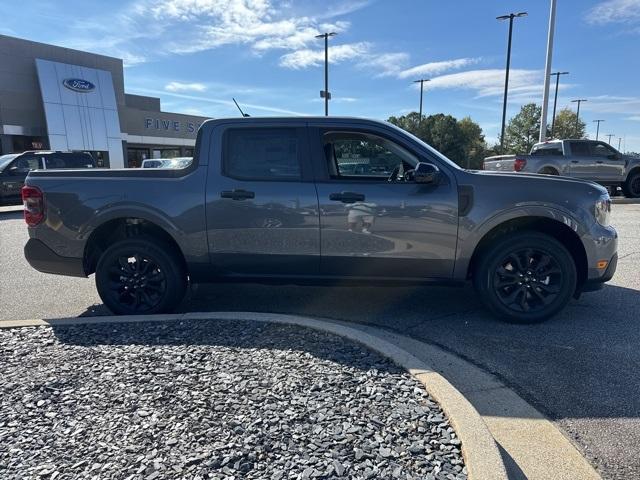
(609, 163)
(374, 220)
(16, 172)
(262, 206)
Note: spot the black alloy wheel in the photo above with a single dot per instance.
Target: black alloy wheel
(525, 277)
(527, 280)
(137, 282)
(140, 275)
(632, 185)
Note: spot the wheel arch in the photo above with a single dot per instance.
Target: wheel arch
(120, 228)
(554, 228)
(552, 168)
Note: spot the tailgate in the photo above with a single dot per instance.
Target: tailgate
(500, 163)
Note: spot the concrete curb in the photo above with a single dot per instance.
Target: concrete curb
(625, 201)
(11, 209)
(480, 452)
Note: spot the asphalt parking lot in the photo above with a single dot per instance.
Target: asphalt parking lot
(580, 368)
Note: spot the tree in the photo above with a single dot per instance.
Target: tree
(565, 125)
(461, 141)
(523, 130)
(475, 146)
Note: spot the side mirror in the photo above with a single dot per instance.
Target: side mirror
(426, 173)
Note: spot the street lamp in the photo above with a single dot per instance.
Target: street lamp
(325, 93)
(555, 100)
(598, 127)
(421, 82)
(511, 16)
(610, 135)
(579, 100)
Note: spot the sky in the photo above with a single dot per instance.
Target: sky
(198, 54)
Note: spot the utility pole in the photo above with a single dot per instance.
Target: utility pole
(579, 100)
(547, 72)
(598, 121)
(619, 142)
(610, 135)
(555, 101)
(325, 93)
(421, 82)
(511, 16)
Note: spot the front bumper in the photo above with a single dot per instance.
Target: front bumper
(43, 259)
(594, 284)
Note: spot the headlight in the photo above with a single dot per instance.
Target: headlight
(603, 210)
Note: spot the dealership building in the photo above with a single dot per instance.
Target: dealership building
(54, 98)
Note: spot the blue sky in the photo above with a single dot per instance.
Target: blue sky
(197, 54)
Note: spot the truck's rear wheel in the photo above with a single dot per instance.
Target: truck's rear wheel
(140, 275)
(632, 186)
(526, 277)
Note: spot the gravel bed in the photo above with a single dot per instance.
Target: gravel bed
(212, 399)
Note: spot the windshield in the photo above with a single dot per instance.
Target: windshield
(6, 160)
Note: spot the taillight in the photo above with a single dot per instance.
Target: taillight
(519, 164)
(33, 201)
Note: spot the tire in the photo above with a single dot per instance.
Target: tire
(140, 276)
(526, 277)
(549, 171)
(631, 187)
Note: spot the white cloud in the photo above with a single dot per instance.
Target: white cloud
(489, 82)
(613, 104)
(185, 87)
(338, 53)
(634, 118)
(385, 64)
(615, 11)
(219, 101)
(436, 68)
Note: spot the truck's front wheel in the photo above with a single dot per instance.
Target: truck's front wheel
(140, 275)
(525, 277)
(632, 186)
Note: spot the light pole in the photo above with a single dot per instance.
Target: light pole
(619, 142)
(421, 82)
(547, 70)
(610, 135)
(579, 100)
(511, 16)
(325, 93)
(598, 121)
(555, 100)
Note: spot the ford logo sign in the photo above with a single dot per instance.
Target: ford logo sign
(78, 85)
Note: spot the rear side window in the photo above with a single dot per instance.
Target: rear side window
(580, 149)
(547, 149)
(262, 154)
(69, 160)
(27, 162)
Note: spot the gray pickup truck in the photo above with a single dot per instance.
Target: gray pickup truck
(588, 159)
(320, 200)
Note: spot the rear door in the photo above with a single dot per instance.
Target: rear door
(262, 206)
(373, 227)
(581, 163)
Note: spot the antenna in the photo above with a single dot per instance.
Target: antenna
(241, 112)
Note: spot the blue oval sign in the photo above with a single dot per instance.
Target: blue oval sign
(78, 85)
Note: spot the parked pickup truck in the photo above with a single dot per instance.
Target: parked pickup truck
(588, 159)
(279, 200)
